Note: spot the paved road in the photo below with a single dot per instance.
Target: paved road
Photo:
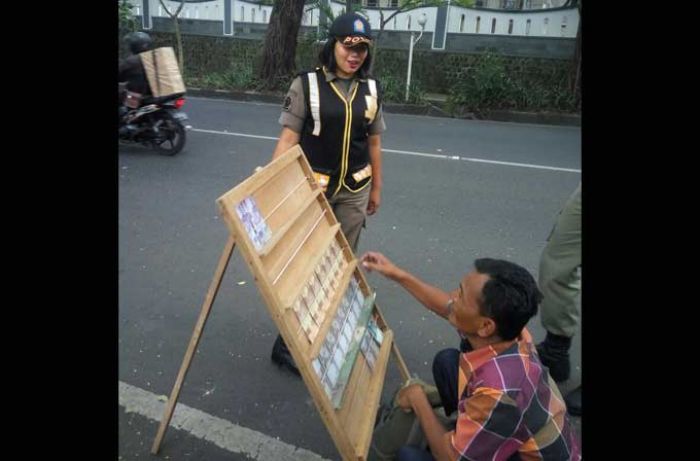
(454, 190)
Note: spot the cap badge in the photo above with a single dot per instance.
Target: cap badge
(358, 26)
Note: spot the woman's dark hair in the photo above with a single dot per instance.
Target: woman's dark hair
(327, 58)
(510, 297)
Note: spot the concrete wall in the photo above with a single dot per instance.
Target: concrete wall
(535, 47)
(533, 23)
(558, 22)
(536, 34)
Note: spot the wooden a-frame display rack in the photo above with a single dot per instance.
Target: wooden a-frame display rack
(315, 293)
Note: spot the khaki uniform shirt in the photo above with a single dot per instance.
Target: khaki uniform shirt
(294, 107)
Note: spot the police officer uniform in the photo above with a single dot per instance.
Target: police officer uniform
(334, 117)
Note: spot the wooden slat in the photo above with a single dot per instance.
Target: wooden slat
(298, 246)
(262, 177)
(280, 233)
(272, 297)
(350, 413)
(301, 276)
(373, 396)
(332, 309)
(280, 255)
(283, 194)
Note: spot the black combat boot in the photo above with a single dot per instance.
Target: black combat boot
(282, 357)
(554, 354)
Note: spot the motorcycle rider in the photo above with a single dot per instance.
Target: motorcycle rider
(144, 118)
(131, 69)
(132, 72)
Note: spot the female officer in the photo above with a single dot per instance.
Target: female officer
(334, 113)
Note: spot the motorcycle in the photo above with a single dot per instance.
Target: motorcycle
(157, 123)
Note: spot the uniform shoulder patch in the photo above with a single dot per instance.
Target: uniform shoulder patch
(287, 103)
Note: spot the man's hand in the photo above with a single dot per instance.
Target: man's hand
(375, 198)
(406, 395)
(375, 261)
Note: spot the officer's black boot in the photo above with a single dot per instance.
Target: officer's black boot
(282, 357)
(573, 402)
(554, 354)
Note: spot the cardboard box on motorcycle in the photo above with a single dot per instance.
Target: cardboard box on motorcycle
(162, 71)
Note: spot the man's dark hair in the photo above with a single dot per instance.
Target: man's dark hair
(510, 297)
(327, 58)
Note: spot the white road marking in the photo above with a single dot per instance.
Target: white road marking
(399, 114)
(417, 154)
(222, 433)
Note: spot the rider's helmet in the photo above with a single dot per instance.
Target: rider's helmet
(139, 42)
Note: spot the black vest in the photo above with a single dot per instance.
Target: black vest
(341, 148)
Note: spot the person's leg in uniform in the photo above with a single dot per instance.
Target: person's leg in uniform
(560, 284)
(350, 209)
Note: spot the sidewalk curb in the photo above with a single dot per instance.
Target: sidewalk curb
(430, 109)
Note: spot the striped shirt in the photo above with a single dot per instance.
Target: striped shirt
(510, 408)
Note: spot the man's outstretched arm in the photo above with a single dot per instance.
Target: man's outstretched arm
(430, 296)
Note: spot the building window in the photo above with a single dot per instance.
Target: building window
(510, 26)
(461, 23)
(394, 22)
(493, 26)
(242, 14)
(527, 27)
(546, 24)
(478, 24)
(252, 16)
(408, 22)
(394, 3)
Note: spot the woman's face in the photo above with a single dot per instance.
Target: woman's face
(349, 59)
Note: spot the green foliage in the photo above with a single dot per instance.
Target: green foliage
(127, 21)
(484, 85)
(394, 89)
(464, 3)
(473, 82)
(127, 24)
(239, 76)
(490, 84)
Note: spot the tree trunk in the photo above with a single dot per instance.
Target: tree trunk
(281, 43)
(178, 37)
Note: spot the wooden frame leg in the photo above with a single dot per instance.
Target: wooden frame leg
(401, 364)
(203, 315)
